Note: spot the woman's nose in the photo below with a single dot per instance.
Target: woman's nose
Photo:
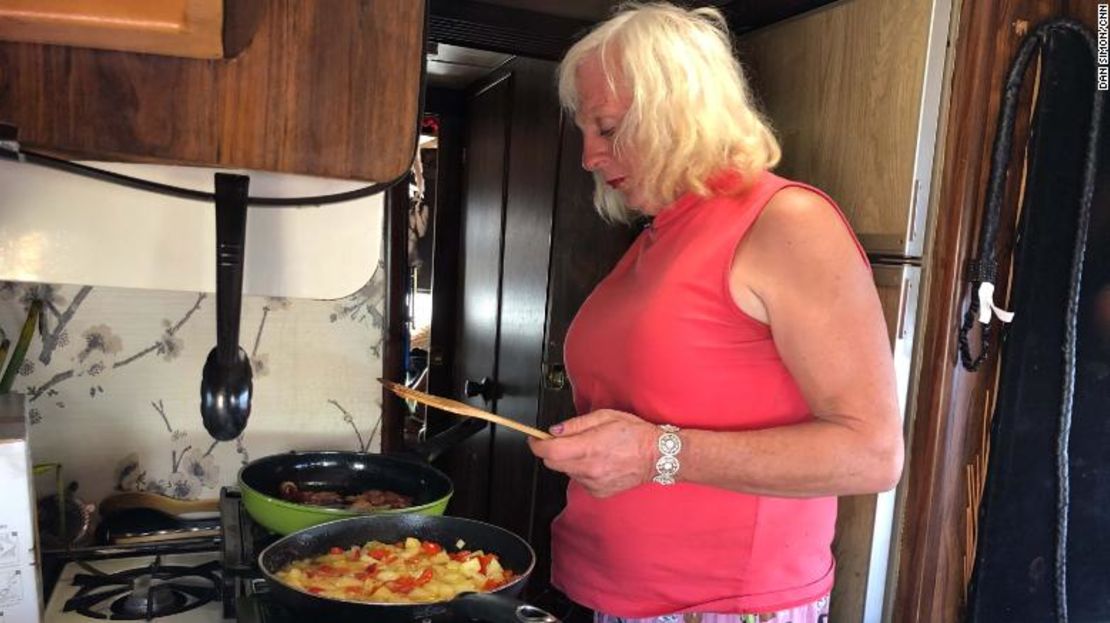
(594, 153)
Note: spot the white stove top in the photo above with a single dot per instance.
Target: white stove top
(211, 612)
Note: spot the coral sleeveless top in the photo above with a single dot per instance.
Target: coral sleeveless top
(661, 337)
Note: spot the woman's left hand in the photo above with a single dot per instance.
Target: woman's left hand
(605, 451)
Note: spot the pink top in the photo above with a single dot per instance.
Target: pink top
(661, 337)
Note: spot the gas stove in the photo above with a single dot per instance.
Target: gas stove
(166, 583)
(211, 580)
(171, 582)
(174, 588)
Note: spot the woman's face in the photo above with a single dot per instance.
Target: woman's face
(600, 112)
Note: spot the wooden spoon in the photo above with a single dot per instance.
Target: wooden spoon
(459, 408)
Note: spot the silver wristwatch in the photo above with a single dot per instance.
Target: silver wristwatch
(669, 444)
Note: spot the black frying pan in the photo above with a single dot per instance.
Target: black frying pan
(498, 606)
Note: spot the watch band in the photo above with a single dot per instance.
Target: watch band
(669, 445)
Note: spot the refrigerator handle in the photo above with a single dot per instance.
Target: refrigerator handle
(900, 330)
(914, 209)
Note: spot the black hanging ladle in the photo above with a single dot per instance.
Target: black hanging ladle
(226, 385)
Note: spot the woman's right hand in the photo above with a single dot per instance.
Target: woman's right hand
(606, 451)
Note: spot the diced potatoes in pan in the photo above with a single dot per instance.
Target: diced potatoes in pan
(410, 571)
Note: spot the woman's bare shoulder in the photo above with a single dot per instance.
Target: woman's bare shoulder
(797, 209)
(800, 243)
(800, 222)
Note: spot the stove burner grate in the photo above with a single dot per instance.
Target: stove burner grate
(145, 593)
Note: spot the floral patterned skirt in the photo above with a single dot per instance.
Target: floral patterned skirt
(815, 612)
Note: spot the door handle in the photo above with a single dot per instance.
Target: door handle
(554, 376)
(486, 387)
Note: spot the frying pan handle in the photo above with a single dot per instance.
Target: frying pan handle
(497, 608)
(430, 449)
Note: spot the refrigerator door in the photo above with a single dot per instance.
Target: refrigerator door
(20, 597)
(864, 522)
(859, 120)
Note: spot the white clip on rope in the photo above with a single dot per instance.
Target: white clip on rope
(987, 306)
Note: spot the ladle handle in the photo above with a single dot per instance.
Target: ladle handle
(231, 232)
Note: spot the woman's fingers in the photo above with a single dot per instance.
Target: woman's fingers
(582, 423)
(606, 451)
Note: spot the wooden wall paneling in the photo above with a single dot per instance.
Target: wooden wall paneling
(241, 21)
(533, 157)
(486, 160)
(952, 405)
(328, 89)
(843, 88)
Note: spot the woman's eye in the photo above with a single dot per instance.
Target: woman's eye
(606, 132)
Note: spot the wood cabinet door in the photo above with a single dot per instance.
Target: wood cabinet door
(853, 91)
(329, 89)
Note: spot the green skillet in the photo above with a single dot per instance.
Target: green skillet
(348, 473)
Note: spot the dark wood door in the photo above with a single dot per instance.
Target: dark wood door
(532, 250)
(530, 207)
(583, 251)
(480, 290)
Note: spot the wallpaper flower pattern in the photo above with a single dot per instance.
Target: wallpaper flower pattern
(112, 382)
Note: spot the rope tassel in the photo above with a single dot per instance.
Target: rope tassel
(987, 306)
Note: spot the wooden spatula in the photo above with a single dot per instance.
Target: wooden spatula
(459, 408)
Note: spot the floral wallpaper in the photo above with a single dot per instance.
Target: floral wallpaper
(112, 383)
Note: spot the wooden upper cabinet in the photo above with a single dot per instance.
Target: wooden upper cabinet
(324, 88)
(189, 28)
(853, 91)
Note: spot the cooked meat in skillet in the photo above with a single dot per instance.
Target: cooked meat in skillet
(370, 500)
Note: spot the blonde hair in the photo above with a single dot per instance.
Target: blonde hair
(691, 113)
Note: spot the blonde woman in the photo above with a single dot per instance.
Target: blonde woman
(733, 372)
